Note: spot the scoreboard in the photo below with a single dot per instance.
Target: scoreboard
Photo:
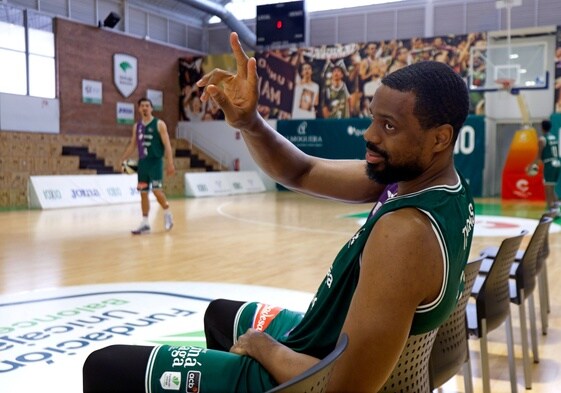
(281, 23)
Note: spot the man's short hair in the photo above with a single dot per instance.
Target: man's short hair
(145, 99)
(546, 125)
(441, 93)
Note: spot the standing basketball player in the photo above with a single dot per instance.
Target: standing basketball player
(400, 274)
(548, 153)
(150, 138)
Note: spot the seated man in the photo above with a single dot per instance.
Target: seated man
(400, 274)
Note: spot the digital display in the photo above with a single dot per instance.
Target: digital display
(281, 23)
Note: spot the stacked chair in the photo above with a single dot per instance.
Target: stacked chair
(491, 306)
(526, 271)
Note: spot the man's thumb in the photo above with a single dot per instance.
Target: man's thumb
(219, 97)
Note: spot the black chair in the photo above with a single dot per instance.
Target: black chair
(411, 371)
(523, 279)
(492, 306)
(450, 352)
(314, 379)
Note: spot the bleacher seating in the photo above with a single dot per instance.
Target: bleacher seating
(25, 154)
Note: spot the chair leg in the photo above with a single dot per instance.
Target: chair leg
(510, 349)
(533, 328)
(484, 358)
(468, 382)
(544, 299)
(524, 341)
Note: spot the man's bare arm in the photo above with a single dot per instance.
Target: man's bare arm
(163, 130)
(236, 94)
(130, 147)
(401, 268)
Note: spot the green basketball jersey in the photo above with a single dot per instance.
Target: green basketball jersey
(450, 210)
(148, 140)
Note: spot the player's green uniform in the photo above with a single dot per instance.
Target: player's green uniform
(550, 159)
(450, 210)
(150, 153)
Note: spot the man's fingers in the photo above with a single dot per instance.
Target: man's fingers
(239, 54)
(214, 77)
(219, 97)
(252, 73)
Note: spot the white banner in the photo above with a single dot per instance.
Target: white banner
(52, 192)
(222, 183)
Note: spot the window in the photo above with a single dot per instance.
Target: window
(26, 69)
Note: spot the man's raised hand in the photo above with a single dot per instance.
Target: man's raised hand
(236, 94)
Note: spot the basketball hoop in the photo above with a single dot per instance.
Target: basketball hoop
(507, 85)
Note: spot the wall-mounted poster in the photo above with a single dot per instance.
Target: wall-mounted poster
(92, 92)
(125, 113)
(157, 98)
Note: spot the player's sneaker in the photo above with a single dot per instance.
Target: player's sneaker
(142, 229)
(168, 221)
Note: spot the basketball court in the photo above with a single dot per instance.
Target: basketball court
(75, 280)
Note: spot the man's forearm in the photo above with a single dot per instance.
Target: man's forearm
(280, 361)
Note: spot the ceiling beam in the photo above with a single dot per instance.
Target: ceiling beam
(245, 34)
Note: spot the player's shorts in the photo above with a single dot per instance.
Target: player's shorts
(551, 173)
(150, 174)
(193, 369)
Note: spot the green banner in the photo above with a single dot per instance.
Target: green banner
(344, 139)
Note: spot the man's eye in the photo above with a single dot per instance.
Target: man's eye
(388, 127)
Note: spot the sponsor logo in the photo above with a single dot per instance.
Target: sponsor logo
(170, 380)
(85, 193)
(193, 382)
(303, 138)
(264, 316)
(353, 131)
(114, 191)
(52, 194)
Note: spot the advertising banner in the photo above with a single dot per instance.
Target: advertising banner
(343, 139)
(516, 182)
(222, 183)
(51, 192)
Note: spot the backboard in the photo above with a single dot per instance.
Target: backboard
(523, 66)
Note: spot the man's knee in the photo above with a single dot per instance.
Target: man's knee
(116, 368)
(216, 310)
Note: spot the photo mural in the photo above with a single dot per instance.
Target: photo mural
(336, 81)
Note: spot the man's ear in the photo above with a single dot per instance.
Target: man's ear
(443, 137)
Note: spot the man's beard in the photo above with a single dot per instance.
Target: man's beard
(391, 173)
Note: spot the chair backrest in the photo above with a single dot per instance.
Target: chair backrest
(527, 269)
(493, 299)
(314, 379)
(544, 252)
(411, 372)
(450, 350)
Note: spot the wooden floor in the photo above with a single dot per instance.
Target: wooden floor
(272, 239)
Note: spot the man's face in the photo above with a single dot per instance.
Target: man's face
(337, 74)
(145, 109)
(306, 70)
(397, 149)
